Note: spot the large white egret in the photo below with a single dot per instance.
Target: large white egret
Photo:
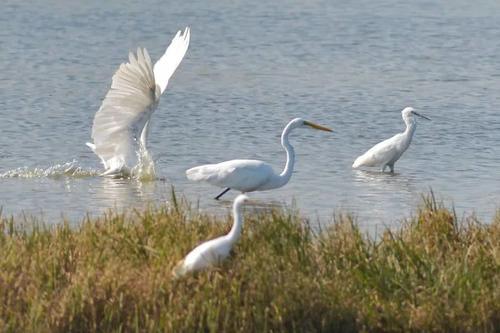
(214, 251)
(251, 175)
(120, 128)
(387, 152)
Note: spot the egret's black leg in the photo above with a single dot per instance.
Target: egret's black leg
(222, 193)
(391, 166)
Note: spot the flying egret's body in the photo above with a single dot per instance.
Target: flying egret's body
(387, 152)
(214, 251)
(251, 175)
(120, 128)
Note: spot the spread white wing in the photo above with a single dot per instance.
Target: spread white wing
(121, 124)
(170, 60)
(127, 107)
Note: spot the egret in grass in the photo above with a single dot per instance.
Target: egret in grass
(214, 251)
(387, 152)
(252, 175)
(120, 128)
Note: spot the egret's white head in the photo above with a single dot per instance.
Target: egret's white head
(409, 112)
(299, 122)
(241, 199)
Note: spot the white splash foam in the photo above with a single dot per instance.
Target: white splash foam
(68, 169)
(145, 168)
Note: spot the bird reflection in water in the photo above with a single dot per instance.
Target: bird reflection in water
(127, 193)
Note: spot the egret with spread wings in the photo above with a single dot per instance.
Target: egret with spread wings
(252, 175)
(120, 128)
(384, 154)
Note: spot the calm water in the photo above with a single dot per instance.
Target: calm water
(251, 67)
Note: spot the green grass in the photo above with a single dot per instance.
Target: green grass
(113, 274)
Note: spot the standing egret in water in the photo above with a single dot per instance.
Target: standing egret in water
(387, 152)
(251, 175)
(120, 128)
(214, 251)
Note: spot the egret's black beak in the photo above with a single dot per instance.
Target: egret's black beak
(420, 115)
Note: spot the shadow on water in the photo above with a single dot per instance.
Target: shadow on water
(255, 205)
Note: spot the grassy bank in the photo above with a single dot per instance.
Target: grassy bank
(112, 274)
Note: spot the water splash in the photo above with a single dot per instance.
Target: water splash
(145, 168)
(68, 169)
(143, 171)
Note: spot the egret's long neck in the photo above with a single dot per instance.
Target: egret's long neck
(285, 175)
(411, 125)
(235, 231)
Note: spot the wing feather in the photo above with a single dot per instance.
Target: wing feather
(165, 67)
(119, 126)
(242, 175)
(379, 154)
(126, 108)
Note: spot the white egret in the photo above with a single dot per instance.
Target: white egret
(387, 152)
(214, 251)
(251, 175)
(120, 127)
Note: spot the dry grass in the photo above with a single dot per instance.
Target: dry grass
(112, 274)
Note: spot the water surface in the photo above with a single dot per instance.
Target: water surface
(251, 67)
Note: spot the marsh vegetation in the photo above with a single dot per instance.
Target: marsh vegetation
(113, 274)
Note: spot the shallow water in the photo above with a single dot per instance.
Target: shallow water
(251, 67)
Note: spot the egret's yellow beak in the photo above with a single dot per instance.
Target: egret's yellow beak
(316, 126)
